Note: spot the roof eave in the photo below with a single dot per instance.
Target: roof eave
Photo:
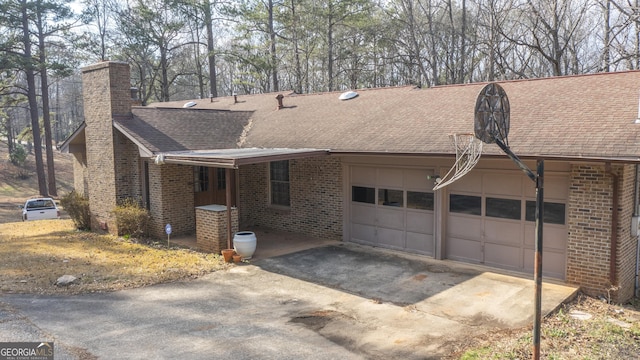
(569, 158)
(234, 161)
(67, 146)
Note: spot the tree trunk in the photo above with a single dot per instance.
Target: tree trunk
(211, 55)
(330, 49)
(164, 73)
(463, 44)
(46, 114)
(452, 46)
(296, 48)
(434, 52)
(606, 51)
(492, 41)
(274, 57)
(31, 95)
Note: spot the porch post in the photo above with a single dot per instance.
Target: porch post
(227, 175)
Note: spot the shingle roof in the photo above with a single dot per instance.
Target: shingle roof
(164, 129)
(586, 116)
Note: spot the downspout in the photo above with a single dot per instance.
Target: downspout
(636, 204)
(614, 225)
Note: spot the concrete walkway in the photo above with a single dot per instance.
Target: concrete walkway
(337, 301)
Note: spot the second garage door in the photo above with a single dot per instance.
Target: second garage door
(491, 217)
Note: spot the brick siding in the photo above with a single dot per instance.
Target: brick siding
(316, 198)
(589, 224)
(171, 199)
(127, 167)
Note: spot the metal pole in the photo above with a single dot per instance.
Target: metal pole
(515, 159)
(538, 259)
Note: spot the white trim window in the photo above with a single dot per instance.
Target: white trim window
(279, 183)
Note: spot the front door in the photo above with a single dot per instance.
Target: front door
(210, 186)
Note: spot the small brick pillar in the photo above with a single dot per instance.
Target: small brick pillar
(211, 227)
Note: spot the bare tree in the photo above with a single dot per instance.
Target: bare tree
(31, 95)
(547, 28)
(97, 13)
(157, 26)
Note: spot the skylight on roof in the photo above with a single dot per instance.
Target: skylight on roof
(189, 104)
(347, 95)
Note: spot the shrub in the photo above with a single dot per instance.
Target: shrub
(18, 155)
(77, 206)
(131, 218)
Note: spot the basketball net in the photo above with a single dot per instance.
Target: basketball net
(468, 150)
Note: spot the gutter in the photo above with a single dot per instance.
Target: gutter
(614, 226)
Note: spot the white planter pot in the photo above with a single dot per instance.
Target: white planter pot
(244, 243)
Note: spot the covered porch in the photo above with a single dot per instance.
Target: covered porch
(270, 242)
(217, 219)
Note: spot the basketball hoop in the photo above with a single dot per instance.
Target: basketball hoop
(468, 150)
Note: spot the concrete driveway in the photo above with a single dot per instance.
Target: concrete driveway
(340, 301)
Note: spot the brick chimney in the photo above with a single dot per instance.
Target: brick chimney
(106, 91)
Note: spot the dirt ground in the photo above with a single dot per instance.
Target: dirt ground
(20, 183)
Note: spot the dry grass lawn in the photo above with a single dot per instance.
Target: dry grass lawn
(35, 254)
(609, 332)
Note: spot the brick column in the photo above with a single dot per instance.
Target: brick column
(211, 227)
(589, 223)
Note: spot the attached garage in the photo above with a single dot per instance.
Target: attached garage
(392, 208)
(491, 220)
(488, 216)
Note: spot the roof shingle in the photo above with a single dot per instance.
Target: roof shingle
(586, 116)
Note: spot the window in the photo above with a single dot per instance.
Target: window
(465, 204)
(200, 178)
(363, 194)
(221, 178)
(279, 183)
(419, 200)
(554, 213)
(503, 208)
(389, 197)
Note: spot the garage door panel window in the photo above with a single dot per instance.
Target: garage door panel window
(419, 200)
(465, 204)
(388, 197)
(554, 213)
(363, 194)
(504, 208)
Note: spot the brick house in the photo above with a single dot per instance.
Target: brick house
(362, 170)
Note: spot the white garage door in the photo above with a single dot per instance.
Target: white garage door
(392, 208)
(491, 221)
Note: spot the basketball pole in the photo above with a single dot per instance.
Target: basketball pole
(537, 276)
(538, 260)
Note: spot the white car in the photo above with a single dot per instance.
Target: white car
(40, 208)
